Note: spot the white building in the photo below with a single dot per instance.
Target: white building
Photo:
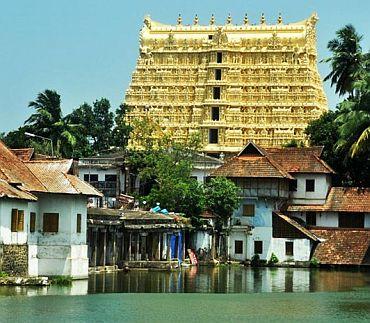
(269, 178)
(106, 173)
(43, 210)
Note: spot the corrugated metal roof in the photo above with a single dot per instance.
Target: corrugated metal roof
(55, 178)
(7, 190)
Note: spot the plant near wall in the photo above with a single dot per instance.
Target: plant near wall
(3, 274)
(314, 262)
(273, 260)
(256, 261)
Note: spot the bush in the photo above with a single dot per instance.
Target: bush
(255, 261)
(61, 280)
(3, 274)
(314, 262)
(273, 260)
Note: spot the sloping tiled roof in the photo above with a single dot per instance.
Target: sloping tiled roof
(13, 170)
(55, 178)
(343, 246)
(7, 190)
(300, 159)
(299, 227)
(340, 199)
(250, 166)
(255, 161)
(24, 154)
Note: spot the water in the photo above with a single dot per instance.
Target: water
(197, 294)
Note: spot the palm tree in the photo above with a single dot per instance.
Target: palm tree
(48, 121)
(348, 63)
(354, 120)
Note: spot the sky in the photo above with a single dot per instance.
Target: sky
(87, 49)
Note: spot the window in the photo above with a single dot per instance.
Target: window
(310, 185)
(215, 113)
(32, 222)
(216, 93)
(213, 136)
(258, 247)
(311, 218)
(91, 177)
(210, 37)
(293, 185)
(248, 209)
(50, 222)
(238, 246)
(17, 224)
(78, 227)
(218, 74)
(351, 220)
(219, 57)
(289, 248)
(110, 178)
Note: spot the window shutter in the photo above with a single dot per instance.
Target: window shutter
(51, 222)
(78, 223)
(32, 222)
(20, 224)
(14, 220)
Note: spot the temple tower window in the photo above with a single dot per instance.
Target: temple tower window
(215, 113)
(216, 93)
(213, 136)
(219, 57)
(218, 74)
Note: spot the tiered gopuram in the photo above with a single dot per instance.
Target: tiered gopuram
(231, 83)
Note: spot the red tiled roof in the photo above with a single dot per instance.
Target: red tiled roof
(343, 246)
(340, 199)
(24, 154)
(300, 159)
(250, 166)
(254, 161)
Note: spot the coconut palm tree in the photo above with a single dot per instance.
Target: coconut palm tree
(348, 63)
(48, 121)
(354, 120)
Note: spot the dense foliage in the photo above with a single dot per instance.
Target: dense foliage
(345, 132)
(86, 131)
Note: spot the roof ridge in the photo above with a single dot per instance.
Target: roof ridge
(277, 166)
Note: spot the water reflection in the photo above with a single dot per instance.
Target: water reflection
(228, 280)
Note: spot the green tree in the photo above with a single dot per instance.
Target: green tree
(222, 198)
(348, 62)
(121, 130)
(354, 120)
(48, 122)
(103, 123)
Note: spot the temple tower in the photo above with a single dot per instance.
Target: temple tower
(231, 83)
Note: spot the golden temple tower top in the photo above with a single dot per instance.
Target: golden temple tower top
(231, 83)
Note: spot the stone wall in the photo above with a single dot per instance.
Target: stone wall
(14, 259)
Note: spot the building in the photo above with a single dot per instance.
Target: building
(42, 217)
(107, 173)
(269, 179)
(230, 83)
(135, 238)
(342, 221)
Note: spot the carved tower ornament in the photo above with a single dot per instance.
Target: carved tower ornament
(249, 83)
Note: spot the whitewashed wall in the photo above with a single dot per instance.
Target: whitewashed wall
(322, 185)
(301, 249)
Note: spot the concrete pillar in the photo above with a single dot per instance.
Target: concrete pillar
(123, 247)
(137, 247)
(159, 246)
(114, 258)
(104, 246)
(129, 246)
(213, 245)
(168, 247)
(95, 246)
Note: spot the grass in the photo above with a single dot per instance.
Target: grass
(61, 280)
(3, 274)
